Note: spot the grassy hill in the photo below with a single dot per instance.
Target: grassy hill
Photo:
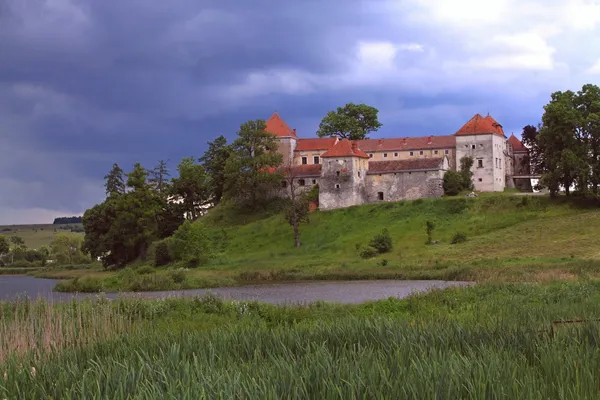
(509, 238)
(37, 235)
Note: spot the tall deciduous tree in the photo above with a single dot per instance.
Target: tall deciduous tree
(297, 208)
(114, 183)
(466, 163)
(4, 245)
(250, 171)
(192, 187)
(66, 247)
(353, 121)
(214, 161)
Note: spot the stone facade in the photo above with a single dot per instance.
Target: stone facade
(393, 169)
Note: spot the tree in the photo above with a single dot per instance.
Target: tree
(214, 161)
(466, 163)
(114, 183)
(158, 177)
(66, 247)
(4, 245)
(192, 187)
(453, 183)
(17, 241)
(529, 137)
(296, 209)
(250, 171)
(353, 121)
(191, 244)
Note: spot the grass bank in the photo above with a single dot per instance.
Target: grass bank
(486, 341)
(509, 238)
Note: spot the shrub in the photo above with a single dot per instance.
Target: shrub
(191, 244)
(162, 256)
(459, 237)
(383, 263)
(145, 270)
(430, 226)
(177, 275)
(368, 252)
(453, 183)
(382, 242)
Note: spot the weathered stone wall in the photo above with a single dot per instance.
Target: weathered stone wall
(342, 182)
(286, 147)
(521, 164)
(490, 149)
(405, 185)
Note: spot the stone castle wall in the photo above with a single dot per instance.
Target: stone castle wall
(405, 185)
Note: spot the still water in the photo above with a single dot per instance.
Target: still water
(11, 287)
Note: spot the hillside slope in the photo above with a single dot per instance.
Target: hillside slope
(510, 236)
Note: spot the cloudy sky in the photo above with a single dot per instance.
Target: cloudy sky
(85, 83)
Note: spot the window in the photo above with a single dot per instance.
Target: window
(480, 163)
(472, 146)
(480, 180)
(302, 182)
(446, 151)
(315, 159)
(384, 155)
(435, 152)
(337, 186)
(380, 195)
(304, 160)
(395, 154)
(284, 184)
(337, 173)
(314, 181)
(411, 154)
(421, 153)
(359, 174)
(370, 155)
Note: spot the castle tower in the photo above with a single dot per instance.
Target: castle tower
(286, 137)
(483, 139)
(343, 176)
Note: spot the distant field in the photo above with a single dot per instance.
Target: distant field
(37, 235)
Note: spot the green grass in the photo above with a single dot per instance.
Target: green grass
(35, 236)
(486, 341)
(509, 238)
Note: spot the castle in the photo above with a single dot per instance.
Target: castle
(374, 170)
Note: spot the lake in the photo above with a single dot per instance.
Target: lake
(11, 287)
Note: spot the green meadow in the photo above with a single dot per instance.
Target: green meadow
(36, 236)
(508, 239)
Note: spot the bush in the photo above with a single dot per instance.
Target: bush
(429, 227)
(368, 252)
(191, 244)
(177, 275)
(382, 242)
(145, 270)
(453, 183)
(459, 237)
(162, 256)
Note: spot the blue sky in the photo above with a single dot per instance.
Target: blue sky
(85, 83)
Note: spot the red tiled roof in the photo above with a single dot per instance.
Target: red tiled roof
(418, 164)
(277, 126)
(303, 170)
(516, 144)
(315, 144)
(345, 148)
(479, 125)
(409, 143)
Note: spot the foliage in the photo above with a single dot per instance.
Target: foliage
(4, 245)
(214, 161)
(159, 177)
(466, 163)
(459, 237)
(250, 170)
(192, 187)
(567, 145)
(17, 241)
(368, 252)
(296, 203)
(162, 256)
(453, 183)
(67, 220)
(114, 183)
(353, 121)
(429, 227)
(382, 242)
(66, 248)
(191, 244)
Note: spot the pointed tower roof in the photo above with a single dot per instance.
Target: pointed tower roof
(278, 127)
(516, 144)
(345, 148)
(479, 125)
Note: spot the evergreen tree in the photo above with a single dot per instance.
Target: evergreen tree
(192, 187)
(114, 183)
(250, 176)
(214, 160)
(159, 177)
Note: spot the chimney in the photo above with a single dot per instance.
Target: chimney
(294, 131)
(379, 142)
(404, 141)
(354, 146)
(429, 140)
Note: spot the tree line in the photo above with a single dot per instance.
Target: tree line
(67, 220)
